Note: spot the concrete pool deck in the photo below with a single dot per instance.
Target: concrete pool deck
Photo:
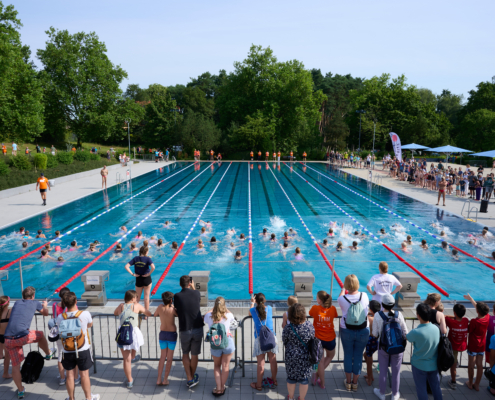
(25, 205)
(453, 204)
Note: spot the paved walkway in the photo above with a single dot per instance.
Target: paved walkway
(453, 204)
(26, 205)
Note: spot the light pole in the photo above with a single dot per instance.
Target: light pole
(373, 154)
(360, 112)
(128, 122)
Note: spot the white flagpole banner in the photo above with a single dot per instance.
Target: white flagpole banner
(396, 143)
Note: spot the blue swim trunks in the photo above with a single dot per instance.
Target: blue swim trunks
(168, 340)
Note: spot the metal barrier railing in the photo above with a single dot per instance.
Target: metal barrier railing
(104, 347)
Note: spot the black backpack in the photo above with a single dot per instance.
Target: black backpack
(32, 367)
(445, 358)
(314, 348)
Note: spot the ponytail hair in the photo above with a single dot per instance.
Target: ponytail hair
(260, 308)
(143, 250)
(325, 298)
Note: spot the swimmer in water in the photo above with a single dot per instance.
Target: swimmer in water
(298, 255)
(408, 240)
(242, 237)
(264, 233)
(492, 257)
(340, 247)
(60, 262)
(330, 233)
(200, 247)
(455, 254)
(96, 243)
(160, 244)
(292, 232)
(286, 236)
(232, 245)
(132, 248)
(354, 246)
(117, 252)
(435, 225)
(333, 224)
(206, 224)
(325, 243)
(231, 232)
(174, 246)
(122, 231)
(45, 255)
(21, 231)
(273, 239)
(74, 246)
(359, 235)
(382, 232)
(26, 235)
(152, 240)
(238, 256)
(40, 235)
(58, 249)
(404, 248)
(445, 245)
(24, 245)
(139, 236)
(167, 224)
(397, 227)
(57, 234)
(424, 245)
(48, 248)
(443, 234)
(484, 234)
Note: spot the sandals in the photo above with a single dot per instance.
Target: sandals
(253, 385)
(215, 393)
(267, 383)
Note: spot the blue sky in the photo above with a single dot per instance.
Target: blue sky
(436, 44)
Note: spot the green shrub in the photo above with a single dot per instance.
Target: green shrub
(65, 158)
(364, 154)
(4, 169)
(40, 160)
(51, 161)
(82, 156)
(21, 162)
(316, 154)
(94, 157)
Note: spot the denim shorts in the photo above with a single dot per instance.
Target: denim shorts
(300, 381)
(473, 354)
(228, 350)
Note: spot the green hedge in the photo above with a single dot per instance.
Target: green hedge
(40, 161)
(4, 168)
(94, 157)
(65, 158)
(51, 161)
(21, 162)
(82, 156)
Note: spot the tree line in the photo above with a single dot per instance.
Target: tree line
(263, 104)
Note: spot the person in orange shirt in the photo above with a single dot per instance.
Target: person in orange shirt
(291, 155)
(26, 152)
(211, 155)
(323, 315)
(274, 156)
(219, 157)
(259, 155)
(267, 154)
(73, 149)
(252, 156)
(43, 185)
(304, 156)
(278, 156)
(4, 149)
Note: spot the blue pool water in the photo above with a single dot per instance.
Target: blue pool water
(228, 208)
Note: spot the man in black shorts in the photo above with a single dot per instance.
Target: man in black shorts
(83, 359)
(187, 304)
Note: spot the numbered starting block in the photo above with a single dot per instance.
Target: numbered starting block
(303, 286)
(95, 292)
(201, 279)
(408, 294)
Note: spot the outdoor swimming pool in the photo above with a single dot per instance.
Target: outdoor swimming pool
(228, 209)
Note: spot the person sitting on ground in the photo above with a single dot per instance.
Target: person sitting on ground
(167, 337)
(129, 311)
(296, 336)
(221, 357)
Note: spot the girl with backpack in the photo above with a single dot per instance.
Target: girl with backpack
(296, 337)
(263, 324)
(323, 315)
(222, 343)
(354, 330)
(390, 327)
(128, 313)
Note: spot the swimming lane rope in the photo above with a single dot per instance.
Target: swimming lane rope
(164, 274)
(90, 220)
(250, 233)
(374, 237)
(402, 218)
(128, 232)
(309, 232)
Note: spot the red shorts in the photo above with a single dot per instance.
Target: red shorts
(14, 346)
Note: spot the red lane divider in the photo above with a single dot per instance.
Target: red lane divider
(329, 265)
(417, 271)
(469, 255)
(250, 268)
(164, 274)
(128, 232)
(90, 220)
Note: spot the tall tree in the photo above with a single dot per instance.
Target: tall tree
(281, 92)
(81, 84)
(450, 104)
(21, 94)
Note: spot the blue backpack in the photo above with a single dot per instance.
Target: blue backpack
(391, 339)
(124, 335)
(266, 337)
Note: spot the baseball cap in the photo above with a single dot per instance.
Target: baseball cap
(388, 300)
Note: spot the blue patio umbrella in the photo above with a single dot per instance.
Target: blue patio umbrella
(490, 153)
(413, 146)
(449, 150)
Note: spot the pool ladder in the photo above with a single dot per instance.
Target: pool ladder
(469, 210)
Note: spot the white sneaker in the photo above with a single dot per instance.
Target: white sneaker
(95, 396)
(396, 396)
(378, 394)
(61, 382)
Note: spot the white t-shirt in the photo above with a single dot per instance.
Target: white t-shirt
(344, 305)
(229, 317)
(383, 284)
(85, 318)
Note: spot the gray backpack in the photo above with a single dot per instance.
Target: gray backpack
(356, 317)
